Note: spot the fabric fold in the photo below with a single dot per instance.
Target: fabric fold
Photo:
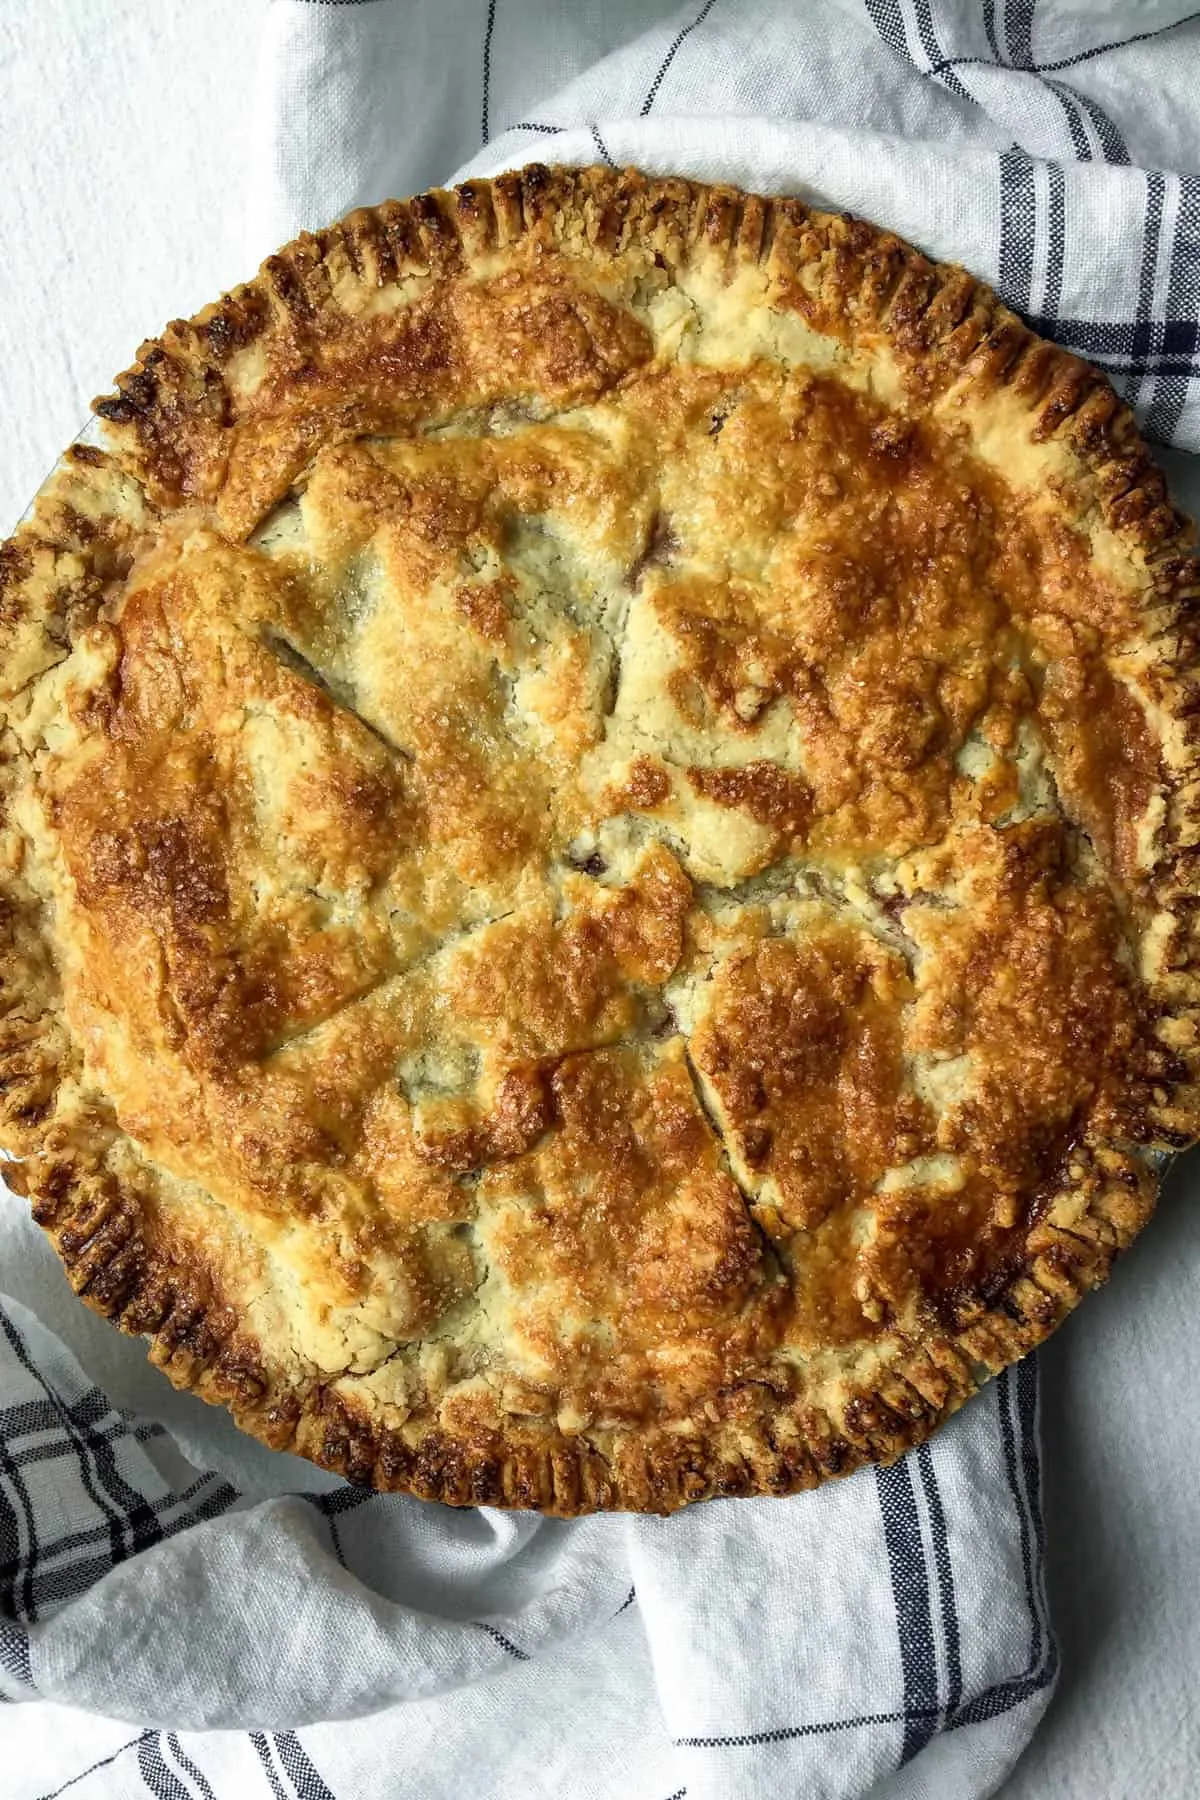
(840, 1633)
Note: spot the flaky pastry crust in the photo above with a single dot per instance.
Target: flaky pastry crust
(599, 844)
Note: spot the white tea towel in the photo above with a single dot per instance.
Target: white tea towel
(745, 1649)
(1053, 149)
(887, 1635)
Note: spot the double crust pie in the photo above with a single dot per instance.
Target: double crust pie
(599, 844)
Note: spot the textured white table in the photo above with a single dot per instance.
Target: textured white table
(127, 128)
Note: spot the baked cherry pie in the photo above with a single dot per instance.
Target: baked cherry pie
(599, 878)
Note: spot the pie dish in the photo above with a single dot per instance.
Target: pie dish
(599, 820)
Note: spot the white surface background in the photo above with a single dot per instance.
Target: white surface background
(128, 126)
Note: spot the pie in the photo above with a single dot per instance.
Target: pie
(600, 837)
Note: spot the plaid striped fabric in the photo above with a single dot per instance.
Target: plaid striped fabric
(85, 1489)
(888, 1635)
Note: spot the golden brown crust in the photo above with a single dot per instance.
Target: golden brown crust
(619, 1066)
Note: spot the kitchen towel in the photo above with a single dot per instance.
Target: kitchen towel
(890, 1629)
(209, 1633)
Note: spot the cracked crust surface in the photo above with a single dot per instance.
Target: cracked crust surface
(598, 877)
